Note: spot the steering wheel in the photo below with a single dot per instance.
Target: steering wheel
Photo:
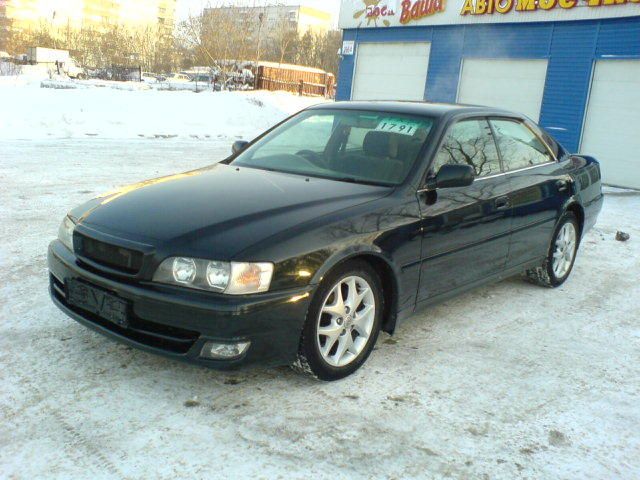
(313, 158)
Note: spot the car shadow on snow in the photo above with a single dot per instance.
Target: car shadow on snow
(121, 360)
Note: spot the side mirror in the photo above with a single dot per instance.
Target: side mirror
(451, 176)
(238, 146)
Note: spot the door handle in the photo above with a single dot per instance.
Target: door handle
(502, 203)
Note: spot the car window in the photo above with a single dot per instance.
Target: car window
(556, 149)
(369, 147)
(469, 142)
(317, 131)
(519, 146)
(356, 137)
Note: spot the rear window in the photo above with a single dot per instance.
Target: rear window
(519, 146)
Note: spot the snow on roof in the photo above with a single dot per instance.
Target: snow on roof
(290, 66)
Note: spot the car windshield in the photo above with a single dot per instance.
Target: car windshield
(347, 145)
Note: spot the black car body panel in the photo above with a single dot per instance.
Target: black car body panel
(202, 208)
(427, 245)
(177, 322)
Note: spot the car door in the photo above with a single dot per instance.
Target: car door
(465, 230)
(540, 187)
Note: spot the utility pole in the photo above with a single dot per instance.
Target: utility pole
(260, 20)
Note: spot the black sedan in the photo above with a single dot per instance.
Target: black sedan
(339, 222)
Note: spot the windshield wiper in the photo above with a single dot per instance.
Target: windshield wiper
(317, 175)
(359, 181)
(344, 179)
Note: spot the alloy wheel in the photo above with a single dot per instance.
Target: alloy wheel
(346, 321)
(565, 250)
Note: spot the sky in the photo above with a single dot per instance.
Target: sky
(185, 7)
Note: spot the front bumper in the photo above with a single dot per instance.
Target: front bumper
(177, 322)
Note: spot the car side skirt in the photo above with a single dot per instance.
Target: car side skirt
(497, 277)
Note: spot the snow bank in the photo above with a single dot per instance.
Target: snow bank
(188, 86)
(29, 75)
(69, 109)
(69, 84)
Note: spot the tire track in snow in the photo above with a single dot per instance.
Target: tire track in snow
(77, 441)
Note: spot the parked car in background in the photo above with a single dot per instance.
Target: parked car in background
(60, 60)
(200, 78)
(247, 75)
(178, 78)
(336, 224)
(147, 77)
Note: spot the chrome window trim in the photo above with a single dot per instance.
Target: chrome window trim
(502, 174)
(515, 171)
(549, 149)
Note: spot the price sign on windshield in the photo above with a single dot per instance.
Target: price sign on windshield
(398, 125)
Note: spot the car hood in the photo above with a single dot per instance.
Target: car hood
(218, 211)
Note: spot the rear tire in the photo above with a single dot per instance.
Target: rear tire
(558, 264)
(343, 322)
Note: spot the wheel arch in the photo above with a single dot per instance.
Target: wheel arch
(385, 268)
(577, 209)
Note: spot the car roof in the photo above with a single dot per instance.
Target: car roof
(426, 109)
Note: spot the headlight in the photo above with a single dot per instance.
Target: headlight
(235, 278)
(65, 232)
(184, 270)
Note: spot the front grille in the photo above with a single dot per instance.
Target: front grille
(112, 256)
(164, 337)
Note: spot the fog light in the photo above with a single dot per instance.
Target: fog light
(224, 351)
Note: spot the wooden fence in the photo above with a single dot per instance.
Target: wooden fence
(292, 78)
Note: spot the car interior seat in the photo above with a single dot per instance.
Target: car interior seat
(380, 157)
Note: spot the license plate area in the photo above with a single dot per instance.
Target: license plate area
(104, 304)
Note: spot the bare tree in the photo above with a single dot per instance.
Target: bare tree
(223, 34)
(285, 35)
(99, 46)
(219, 38)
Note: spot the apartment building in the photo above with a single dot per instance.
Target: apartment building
(23, 15)
(271, 19)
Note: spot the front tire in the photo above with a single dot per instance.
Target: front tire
(343, 322)
(557, 267)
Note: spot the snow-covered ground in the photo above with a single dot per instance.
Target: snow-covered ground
(508, 381)
(100, 109)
